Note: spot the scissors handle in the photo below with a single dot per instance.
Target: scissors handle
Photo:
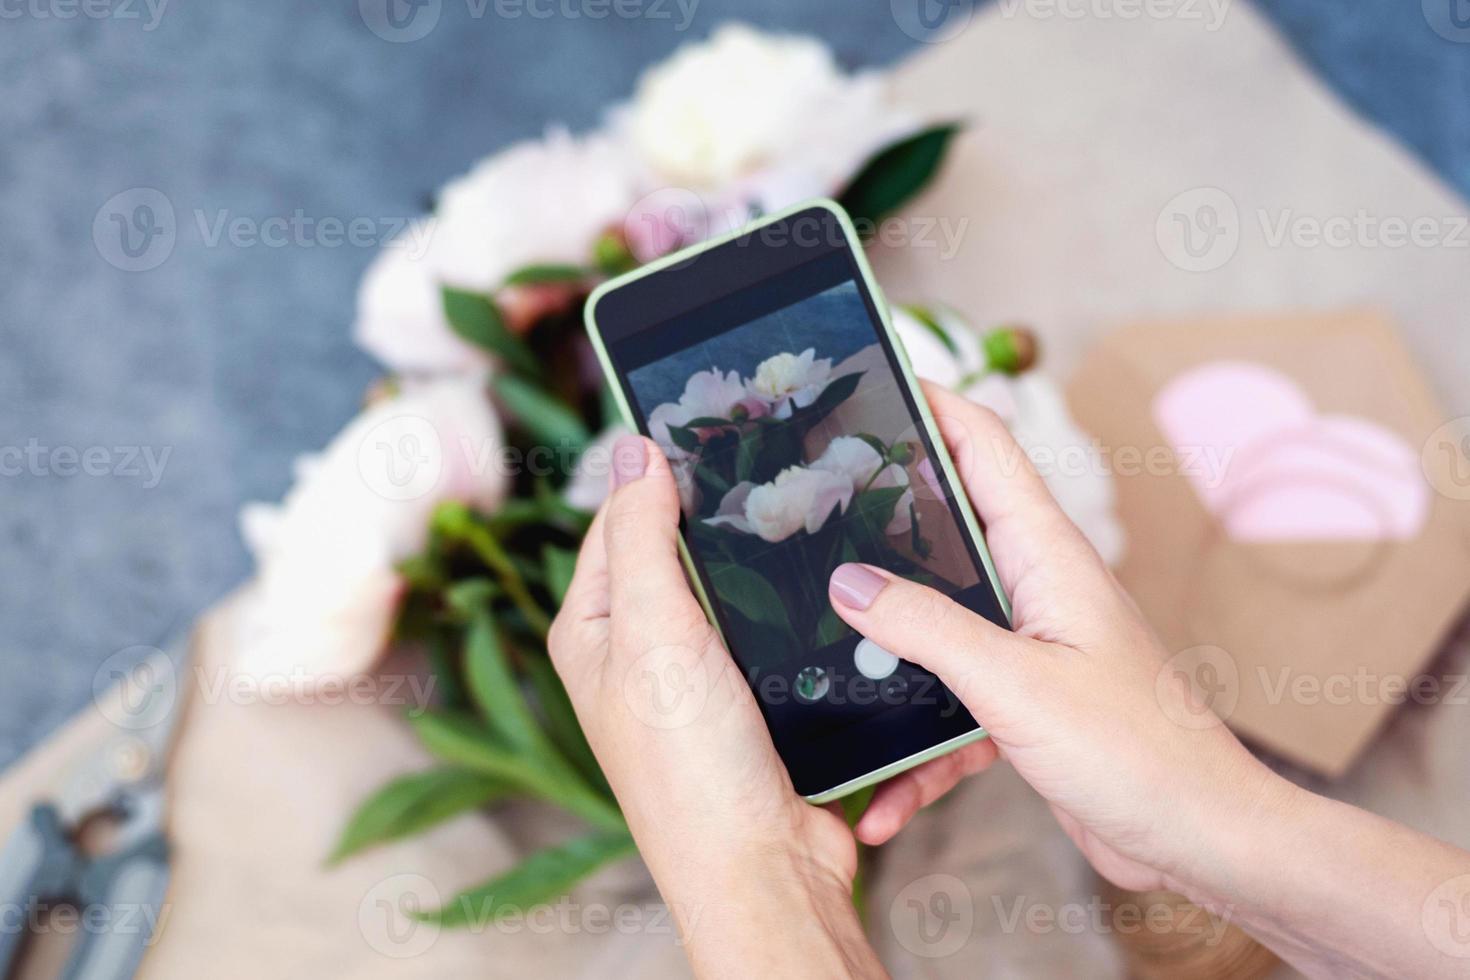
(38, 863)
(129, 886)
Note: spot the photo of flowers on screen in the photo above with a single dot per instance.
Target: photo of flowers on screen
(795, 452)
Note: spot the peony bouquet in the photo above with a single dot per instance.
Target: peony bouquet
(771, 513)
(446, 517)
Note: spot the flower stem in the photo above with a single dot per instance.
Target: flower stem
(493, 555)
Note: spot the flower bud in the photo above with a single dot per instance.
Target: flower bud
(611, 254)
(1010, 350)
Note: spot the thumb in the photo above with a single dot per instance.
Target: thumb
(641, 530)
(978, 660)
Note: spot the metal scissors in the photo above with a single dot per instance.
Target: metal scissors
(118, 894)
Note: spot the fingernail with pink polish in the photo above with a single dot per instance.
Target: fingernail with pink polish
(855, 586)
(629, 460)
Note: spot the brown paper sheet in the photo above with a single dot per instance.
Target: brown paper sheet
(1084, 129)
(1309, 638)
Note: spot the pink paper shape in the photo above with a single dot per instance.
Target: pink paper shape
(1292, 474)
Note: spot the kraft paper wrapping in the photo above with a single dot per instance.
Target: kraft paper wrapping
(1083, 130)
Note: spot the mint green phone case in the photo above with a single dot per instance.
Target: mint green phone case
(971, 524)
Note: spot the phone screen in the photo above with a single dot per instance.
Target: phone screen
(797, 446)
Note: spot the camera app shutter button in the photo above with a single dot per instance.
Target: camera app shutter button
(873, 661)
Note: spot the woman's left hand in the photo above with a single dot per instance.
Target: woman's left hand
(747, 867)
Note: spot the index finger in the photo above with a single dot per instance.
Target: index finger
(1025, 527)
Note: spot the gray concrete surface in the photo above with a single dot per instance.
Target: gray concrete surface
(188, 388)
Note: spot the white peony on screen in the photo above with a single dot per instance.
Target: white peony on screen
(796, 451)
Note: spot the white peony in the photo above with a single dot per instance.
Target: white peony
(537, 202)
(707, 394)
(327, 589)
(745, 102)
(401, 322)
(857, 461)
(1035, 410)
(798, 498)
(588, 487)
(928, 354)
(854, 458)
(541, 201)
(790, 381)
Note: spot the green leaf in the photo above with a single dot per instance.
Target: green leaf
(555, 510)
(546, 417)
(895, 174)
(468, 596)
(749, 593)
(921, 545)
(560, 564)
(611, 255)
(748, 455)
(833, 395)
(707, 422)
(714, 484)
(685, 438)
(541, 878)
(477, 319)
(876, 507)
(445, 665)
(422, 572)
(930, 322)
(494, 687)
(876, 443)
(536, 275)
(467, 742)
(512, 515)
(830, 627)
(412, 804)
(561, 720)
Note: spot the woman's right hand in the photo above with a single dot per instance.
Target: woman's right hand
(1078, 698)
(1084, 701)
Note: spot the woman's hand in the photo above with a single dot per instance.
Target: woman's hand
(1073, 698)
(1156, 792)
(759, 881)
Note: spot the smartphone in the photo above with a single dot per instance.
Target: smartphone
(764, 364)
